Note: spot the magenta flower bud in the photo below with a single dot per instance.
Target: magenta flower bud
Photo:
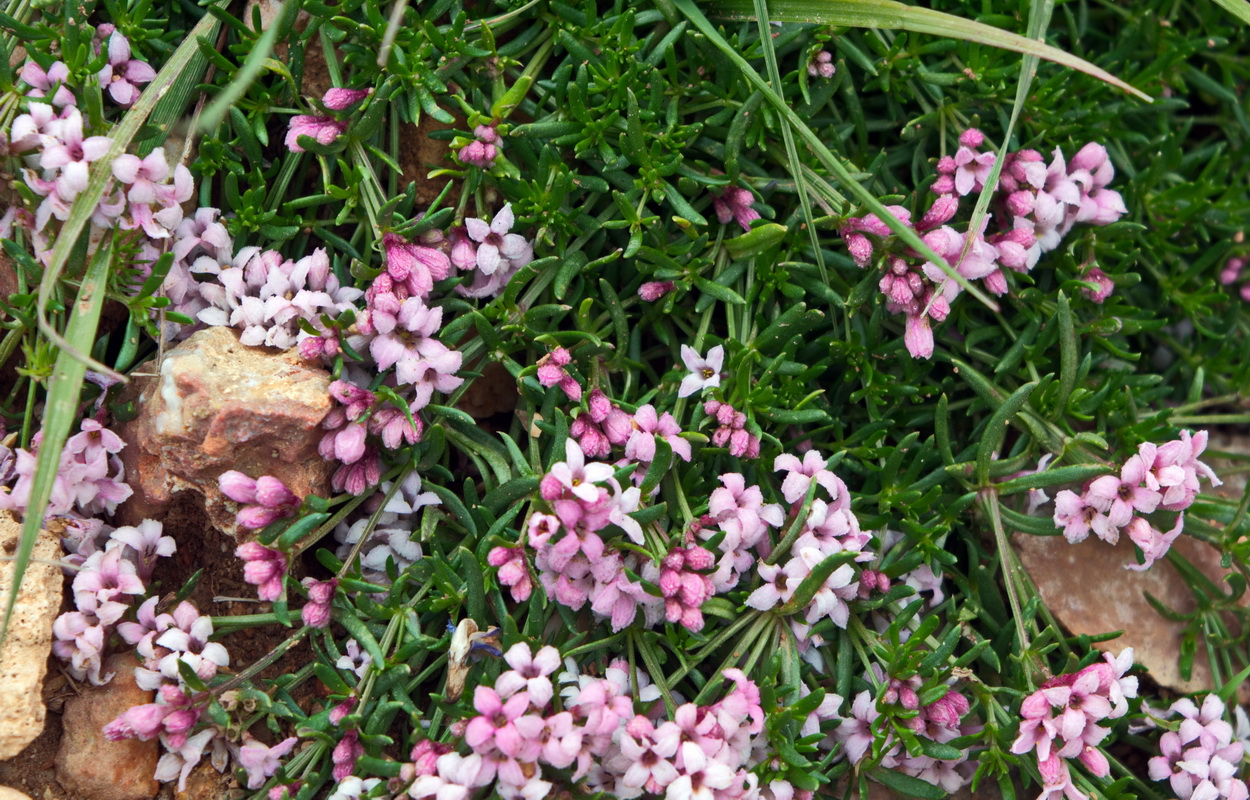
(1054, 770)
(1012, 256)
(143, 722)
(740, 443)
(710, 407)
(237, 486)
(571, 388)
(972, 138)
(860, 248)
(1232, 271)
(1035, 706)
(670, 582)
(272, 493)
(1245, 292)
(486, 133)
(550, 487)
(908, 698)
(349, 444)
(345, 754)
(699, 558)
(550, 374)
(321, 591)
(425, 756)
(946, 165)
(594, 444)
(996, 282)
(720, 437)
(256, 517)
(463, 251)
(1102, 281)
(1020, 204)
(945, 184)
(181, 720)
(654, 290)
(315, 615)
(342, 710)
(598, 405)
(618, 426)
(339, 99)
(939, 213)
(1089, 158)
(1095, 761)
(474, 154)
(918, 336)
(1110, 206)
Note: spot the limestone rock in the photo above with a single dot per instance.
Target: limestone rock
(89, 765)
(1088, 589)
(11, 794)
(24, 655)
(216, 405)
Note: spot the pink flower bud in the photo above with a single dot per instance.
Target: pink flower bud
(1089, 158)
(654, 290)
(945, 184)
(339, 99)
(342, 710)
(699, 558)
(972, 138)
(618, 426)
(486, 133)
(1104, 283)
(598, 405)
(946, 165)
(860, 248)
(272, 493)
(254, 518)
(939, 213)
(237, 486)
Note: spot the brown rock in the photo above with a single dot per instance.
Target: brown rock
(24, 655)
(215, 405)
(495, 392)
(89, 765)
(1090, 592)
(419, 154)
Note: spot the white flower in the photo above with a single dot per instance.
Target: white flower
(704, 372)
(496, 245)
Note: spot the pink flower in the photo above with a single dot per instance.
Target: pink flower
(122, 75)
(502, 725)
(260, 761)
(1102, 281)
(41, 83)
(578, 477)
(734, 203)
(497, 247)
(704, 373)
(265, 499)
(263, 568)
(648, 425)
(1077, 519)
(1120, 497)
(1154, 544)
(415, 265)
(529, 673)
(324, 129)
(800, 474)
(552, 372)
(512, 571)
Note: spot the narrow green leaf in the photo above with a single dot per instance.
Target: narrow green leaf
(1067, 355)
(892, 15)
(996, 429)
(907, 786)
(812, 583)
(1077, 473)
(1238, 8)
(60, 411)
(248, 72)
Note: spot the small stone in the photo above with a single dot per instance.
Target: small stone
(24, 656)
(1090, 592)
(12, 794)
(89, 765)
(205, 783)
(217, 405)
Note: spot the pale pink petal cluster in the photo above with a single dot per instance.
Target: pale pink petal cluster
(1156, 478)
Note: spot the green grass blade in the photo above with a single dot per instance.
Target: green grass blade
(1238, 8)
(101, 175)
(60, 410)
(826, 157)
(898, 16)
(787, 135)
(1039, 19)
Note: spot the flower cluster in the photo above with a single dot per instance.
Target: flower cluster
(1037, 205)
(1060, 721)
(1234, 270)
(1200, 758)
(265, 500)
(601, 735)
(89, 480)
(391, 541)
(324, 130)
(482, 151)
(830, 528)
(1158, 478)
(731, 430)
(938, 721)
(106, 585)
(267, 296)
